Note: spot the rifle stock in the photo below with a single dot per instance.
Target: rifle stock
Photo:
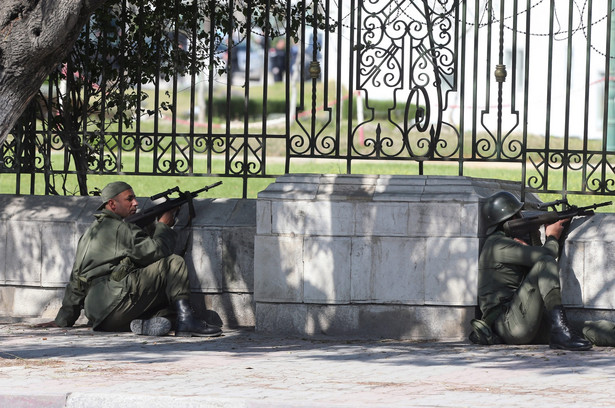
(531, 221)
(149, 215)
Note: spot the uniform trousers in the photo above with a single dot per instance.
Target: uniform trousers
(522, 321)
(152, 290)
(525, 322)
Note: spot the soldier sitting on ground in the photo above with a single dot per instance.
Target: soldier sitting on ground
(519, 291)
(125, 279)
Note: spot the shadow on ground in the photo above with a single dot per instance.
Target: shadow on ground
(24, 343)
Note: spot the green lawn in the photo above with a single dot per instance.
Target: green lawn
(233, 188)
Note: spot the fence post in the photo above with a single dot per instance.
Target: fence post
(610, 135)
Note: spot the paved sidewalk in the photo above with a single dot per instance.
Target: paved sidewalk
(82, 368)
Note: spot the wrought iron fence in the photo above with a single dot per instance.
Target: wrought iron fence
(529, 83)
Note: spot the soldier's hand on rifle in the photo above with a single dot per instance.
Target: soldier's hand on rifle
(555, 230)
(169, 217)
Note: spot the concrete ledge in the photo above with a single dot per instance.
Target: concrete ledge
(586, 264)
(365, 321)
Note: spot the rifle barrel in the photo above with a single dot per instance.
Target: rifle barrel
(601, 204)
(216, 184)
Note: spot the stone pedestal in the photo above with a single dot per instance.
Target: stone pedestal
(369, 256)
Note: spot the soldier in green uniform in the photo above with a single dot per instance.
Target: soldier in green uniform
(518, 284)
(126, 279)
(519, 291)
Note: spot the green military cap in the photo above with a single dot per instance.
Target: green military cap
(111, 190)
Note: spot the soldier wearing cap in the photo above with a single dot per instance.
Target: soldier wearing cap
(125, 279)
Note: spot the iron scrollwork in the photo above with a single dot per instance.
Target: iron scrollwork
(408, 48)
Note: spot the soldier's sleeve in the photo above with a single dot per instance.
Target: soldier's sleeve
(508, 251)
(146, 249)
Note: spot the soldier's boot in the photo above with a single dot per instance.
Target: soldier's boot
(156, 326)
(562, 336)
(189, 325)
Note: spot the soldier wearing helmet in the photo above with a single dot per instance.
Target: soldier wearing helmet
(499, 208)
(518, 284)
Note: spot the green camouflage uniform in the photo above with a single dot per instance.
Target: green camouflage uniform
(121, 273)
(516, 283)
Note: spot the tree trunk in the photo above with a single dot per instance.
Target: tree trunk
(35, 35)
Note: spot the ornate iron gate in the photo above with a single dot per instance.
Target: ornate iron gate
(426, 81)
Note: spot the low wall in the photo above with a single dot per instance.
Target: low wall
(39, 235)
(359, 256)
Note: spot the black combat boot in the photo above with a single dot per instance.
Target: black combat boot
(188, 325)
(562, 337)
(156, 326)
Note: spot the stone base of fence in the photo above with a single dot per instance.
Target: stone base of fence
(343, 255)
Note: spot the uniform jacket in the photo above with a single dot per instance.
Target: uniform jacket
(502, 266)
(107, 245)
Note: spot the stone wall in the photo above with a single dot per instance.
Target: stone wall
(358, 256)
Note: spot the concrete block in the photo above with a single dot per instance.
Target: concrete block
(204, 258)
(285, 187)
(263, 217)
(451, 271)
(388, 270)
(572, 273)
(599, 290)
(385, 180)
(326, 270)
(278, 269)
(600, 226)
(382, 219)
(469, 218)
(366, 321)
(356, 180)
(334, 320)
(29, 302)
(399, 192)
(45, 208)
(235, 309)
(440, 219)
(243, 213)
(238, 259)
(415, 322)
(59, 246)
(211, 212)
(313, 217)
(450, 182)
(24, 243)
(3, 250)
(281, 319)
(335, 188)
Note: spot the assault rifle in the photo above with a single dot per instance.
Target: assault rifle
(532, 220)
(147, 216)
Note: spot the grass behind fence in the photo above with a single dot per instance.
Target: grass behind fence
(232, 187)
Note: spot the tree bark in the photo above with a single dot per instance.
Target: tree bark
(35, 35)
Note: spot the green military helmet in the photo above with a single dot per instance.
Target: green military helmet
(498, 208)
